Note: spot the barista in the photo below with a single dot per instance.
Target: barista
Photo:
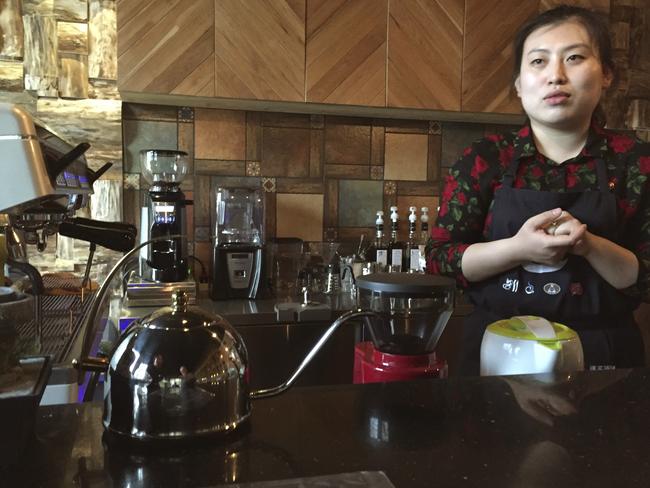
(553, 219)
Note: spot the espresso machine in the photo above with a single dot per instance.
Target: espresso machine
(411, 312)
(44, 180)
(163, 264)
(237, 265)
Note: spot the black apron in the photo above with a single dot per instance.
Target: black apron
(574, 295)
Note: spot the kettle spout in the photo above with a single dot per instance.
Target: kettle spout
(276, 390)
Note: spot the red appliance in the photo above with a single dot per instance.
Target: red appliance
(408, 313)
(374, 366)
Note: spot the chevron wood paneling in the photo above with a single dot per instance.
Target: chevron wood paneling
(601, 5)
(488, 55)
(346, 51)
(166, 46)
(260, 49)
(425, 39)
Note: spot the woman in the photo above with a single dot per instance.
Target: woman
(554, 219)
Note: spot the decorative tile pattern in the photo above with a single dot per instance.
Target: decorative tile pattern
(219, 134)
(131, 181)
(358, 202)
(435, 127)
(390, 188)
(406, 157)
(330, 234)
(299, 215)
(185, 114)
(268, 184)
(139, 134)
(376, 172)
(252, 168)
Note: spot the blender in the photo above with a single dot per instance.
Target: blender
(238, 246)
(411, 312)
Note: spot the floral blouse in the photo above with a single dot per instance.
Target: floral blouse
(465, 213)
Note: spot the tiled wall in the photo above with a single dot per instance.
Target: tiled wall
(324, 177)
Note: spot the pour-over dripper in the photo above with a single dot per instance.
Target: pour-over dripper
(164, 166)
(412, 310)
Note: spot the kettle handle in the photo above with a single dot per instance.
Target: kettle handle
(276, 390)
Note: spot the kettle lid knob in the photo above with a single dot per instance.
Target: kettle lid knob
(179, 301)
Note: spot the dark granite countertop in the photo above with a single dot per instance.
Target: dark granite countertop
(587, 429)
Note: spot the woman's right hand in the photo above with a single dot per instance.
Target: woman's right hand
(535, 244)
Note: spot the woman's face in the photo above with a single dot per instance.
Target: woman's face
(561, 77)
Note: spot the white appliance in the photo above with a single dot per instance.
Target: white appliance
(529, 345)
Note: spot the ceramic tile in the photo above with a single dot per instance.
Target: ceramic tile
(358, 202)
(317, 140)
(139, 134)
(406, 157)
(219, 134)
(276, 119)
(185, 114)
(253, 168)
(435, 127)
(433, 158)
(253, 136)
(376, 172)
(73, 37)
(139, 111)
(73, 80)
(455, 138)
(75, 10)
(299, 215)
(295, 185)
(285, 152)
(347, 171)
(11, 76)
(202, 201)
(12, 29)
(377, 146)
(220, 167)
(347, 144)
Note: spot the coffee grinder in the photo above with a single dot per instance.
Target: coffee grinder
(163, 215)
(412, 311)
(239, 241)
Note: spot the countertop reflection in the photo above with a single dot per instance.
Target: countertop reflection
(584, 429)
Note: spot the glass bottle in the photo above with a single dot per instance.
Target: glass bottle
(395, 247)
(411, 262)
(424, 237)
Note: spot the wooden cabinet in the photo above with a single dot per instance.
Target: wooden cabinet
(453, 55)
(425, 53)
(166, 47)
(260, 49)
(488, 55)
(346, 51)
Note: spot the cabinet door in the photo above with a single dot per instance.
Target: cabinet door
(425, 40)
(166, 47)
(488, 55)
(260, 49)
(346, 51)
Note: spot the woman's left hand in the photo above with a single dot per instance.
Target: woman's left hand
(567, 224)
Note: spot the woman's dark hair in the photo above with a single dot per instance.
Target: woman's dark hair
(596, 24)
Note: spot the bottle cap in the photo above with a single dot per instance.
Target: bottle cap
(425, 216)
(380, 218)
(412, 216)
(393, 214)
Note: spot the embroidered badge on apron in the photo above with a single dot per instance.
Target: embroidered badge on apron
(552, 288)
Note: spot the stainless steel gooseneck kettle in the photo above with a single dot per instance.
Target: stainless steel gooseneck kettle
(181, 372)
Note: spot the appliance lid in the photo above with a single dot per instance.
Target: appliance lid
(407, 283)
(517, 328)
